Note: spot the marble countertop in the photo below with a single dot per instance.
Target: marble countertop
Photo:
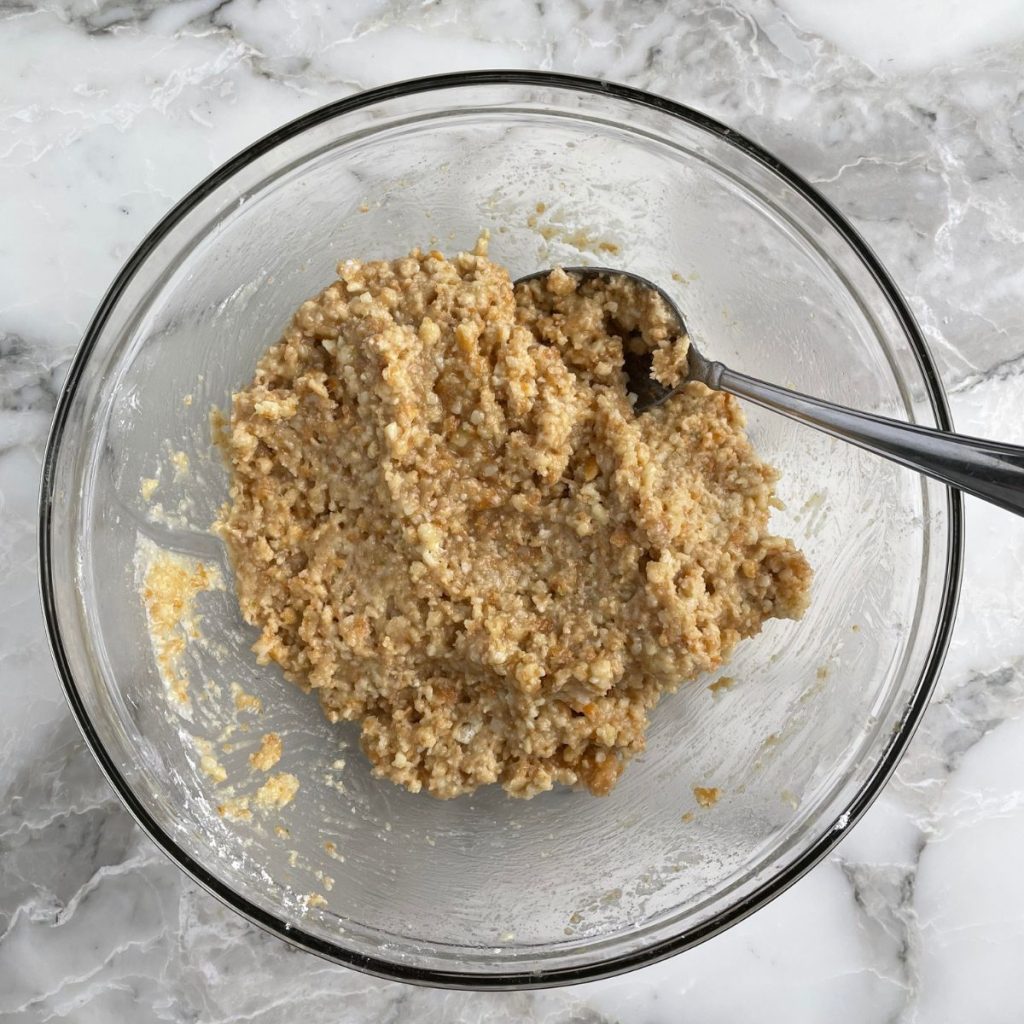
(908, 115)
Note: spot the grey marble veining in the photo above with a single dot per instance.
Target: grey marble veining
(908, 116)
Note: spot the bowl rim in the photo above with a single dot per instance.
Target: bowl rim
(511, 978)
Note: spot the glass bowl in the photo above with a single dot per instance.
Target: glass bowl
(486, 891)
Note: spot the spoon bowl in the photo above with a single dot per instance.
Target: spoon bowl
(987, 469)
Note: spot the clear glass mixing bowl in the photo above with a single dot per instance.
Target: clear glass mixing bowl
(487, 891)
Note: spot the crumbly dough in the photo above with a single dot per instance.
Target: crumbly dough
(245, 701)
(706, 796)
(269, 752)
(447, 521)
(277, 791)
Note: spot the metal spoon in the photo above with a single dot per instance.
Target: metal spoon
(986, 469)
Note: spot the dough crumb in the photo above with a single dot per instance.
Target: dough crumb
(235, 809)
(147, 487)
(213, 768)
(669, 365)
(721, 685)
(268, 754)
(277, 791)
(208, 763)
(245, 701)
(706, 796)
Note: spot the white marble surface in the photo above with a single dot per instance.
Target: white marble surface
(909, 115)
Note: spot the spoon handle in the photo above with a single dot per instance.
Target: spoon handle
(987, 469)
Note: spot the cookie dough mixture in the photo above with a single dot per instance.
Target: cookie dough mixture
(448, 522)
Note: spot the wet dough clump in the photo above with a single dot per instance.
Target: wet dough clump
(447, 522)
